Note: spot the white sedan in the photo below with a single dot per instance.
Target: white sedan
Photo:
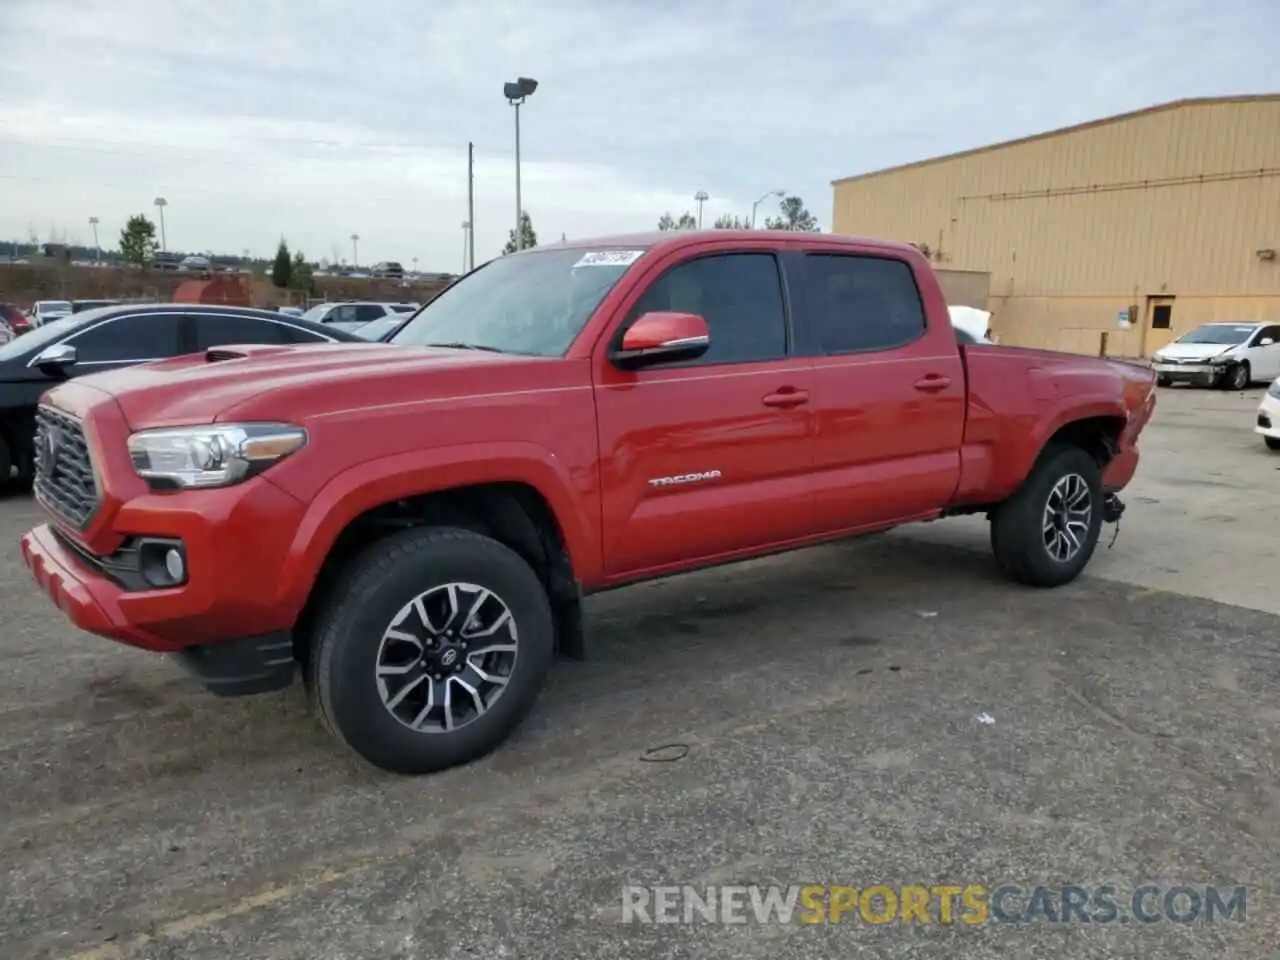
(1269, 416)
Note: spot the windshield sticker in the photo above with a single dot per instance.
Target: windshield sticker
(609, 258)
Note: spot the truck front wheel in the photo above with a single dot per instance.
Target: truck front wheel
(1045, 533)
(431, 649)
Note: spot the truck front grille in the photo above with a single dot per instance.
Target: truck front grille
(64, 479)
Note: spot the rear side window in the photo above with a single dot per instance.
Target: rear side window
(859, 303)
(369, 311)
(213, 330)
(292, 334)
(740, 297)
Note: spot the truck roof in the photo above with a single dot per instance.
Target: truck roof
(655, 239)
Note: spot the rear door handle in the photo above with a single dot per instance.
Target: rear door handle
(933, 382)
(786, 397)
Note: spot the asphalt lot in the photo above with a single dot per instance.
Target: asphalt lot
(829, 704)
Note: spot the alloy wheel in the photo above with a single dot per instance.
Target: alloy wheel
(1068, 513)
(446, 657)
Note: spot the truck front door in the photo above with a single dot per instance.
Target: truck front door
(888, 388)
(707, 458)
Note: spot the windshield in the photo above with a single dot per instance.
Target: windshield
(1219, 333)
(54, 306)
(44, 335)
(317, 312)
(376, 329)
(530, 303)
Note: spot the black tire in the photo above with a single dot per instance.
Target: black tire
(1162, 380)
(1237, 377)
(1018, 525)
(1273, 443)
(364, 600)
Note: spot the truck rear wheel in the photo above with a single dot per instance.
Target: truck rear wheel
(1045, 533)
(431, 651)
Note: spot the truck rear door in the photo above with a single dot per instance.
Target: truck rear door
(888, 386)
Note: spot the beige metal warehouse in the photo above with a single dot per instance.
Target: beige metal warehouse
(1112, 236)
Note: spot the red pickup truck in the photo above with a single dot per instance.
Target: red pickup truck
(414, 524)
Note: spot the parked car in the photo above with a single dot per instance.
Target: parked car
(15, 319)
(389, 269)
(196, 264)
(45, 310)
(79, 306)
(1227, 355)
(1269, 416)
(108, 338)
(379, 330)
(163, 260)
(417, 522)
(350, 312)
(291, 311)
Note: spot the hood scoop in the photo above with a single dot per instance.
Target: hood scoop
(218, 354)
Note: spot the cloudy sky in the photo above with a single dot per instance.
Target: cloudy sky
(314, 119)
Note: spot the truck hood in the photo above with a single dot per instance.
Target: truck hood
(277, 380)
(1193, 351)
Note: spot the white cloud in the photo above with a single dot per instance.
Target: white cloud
(317, 119)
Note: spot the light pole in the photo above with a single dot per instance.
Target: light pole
(516, 94)
(466, 242)
(355, 254)
(771, 193)
(97, 250)
(161, 203)
(701, 197)
(415, 266)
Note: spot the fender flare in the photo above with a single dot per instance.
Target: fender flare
(367, 485)
(1069, 410)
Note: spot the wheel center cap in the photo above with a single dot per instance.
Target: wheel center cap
(448, 657)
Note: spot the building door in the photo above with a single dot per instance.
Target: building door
(1158, 329)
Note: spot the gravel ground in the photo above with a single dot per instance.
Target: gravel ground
(882, 712)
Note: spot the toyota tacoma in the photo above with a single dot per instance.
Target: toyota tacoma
(412, 526)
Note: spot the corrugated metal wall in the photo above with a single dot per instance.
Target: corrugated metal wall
(1170, 202)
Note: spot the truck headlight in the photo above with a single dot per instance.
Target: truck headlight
(214, 455)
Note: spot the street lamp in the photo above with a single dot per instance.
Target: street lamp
(516, 94)
(701, 197)
(161, 203)
(97, 250)
(771, 193)
(355, 250)
(466, 242)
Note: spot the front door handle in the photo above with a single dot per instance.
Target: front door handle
(786, 397)
(933, 382)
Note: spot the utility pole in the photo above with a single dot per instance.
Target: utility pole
(97, 250)
(471, 207)
(355, 250)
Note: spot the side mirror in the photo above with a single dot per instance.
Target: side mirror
(58, 356)
(660, 337)
(1266, 342)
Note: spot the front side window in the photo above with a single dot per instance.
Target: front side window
(532, 303)
(150, 336)
(739, 295)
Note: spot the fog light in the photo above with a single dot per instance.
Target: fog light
(174, 565)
